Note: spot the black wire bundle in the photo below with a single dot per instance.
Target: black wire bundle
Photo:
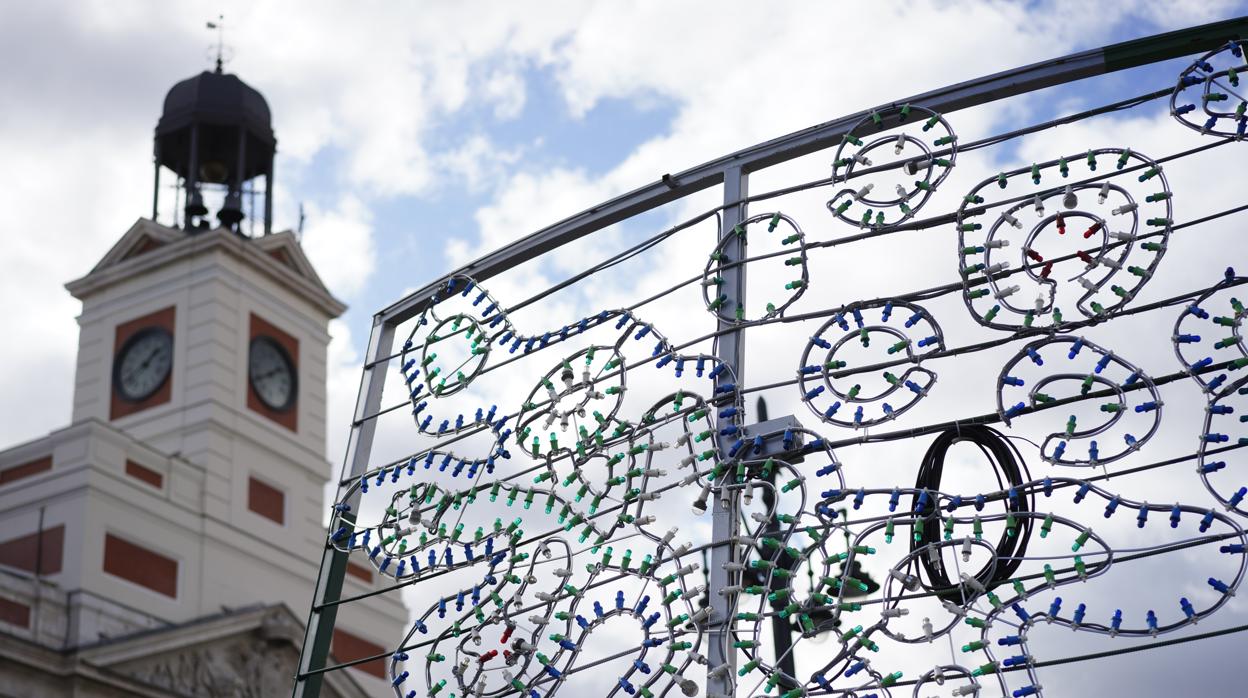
(1008, 466)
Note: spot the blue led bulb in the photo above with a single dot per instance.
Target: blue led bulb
(640, 609)
(1059, 449)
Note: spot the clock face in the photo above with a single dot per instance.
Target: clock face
(143, 364)
(272, 374)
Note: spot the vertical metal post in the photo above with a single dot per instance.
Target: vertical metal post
(240, 172)
(192, 175)
(240, 175)
(156, 185)
(730, 350)
(268, 198)
(333, 567)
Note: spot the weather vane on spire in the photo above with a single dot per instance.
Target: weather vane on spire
(219, 25)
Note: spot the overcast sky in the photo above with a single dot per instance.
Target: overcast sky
(419, 138)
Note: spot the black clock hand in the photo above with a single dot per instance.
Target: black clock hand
(126, 378)
(274, 372)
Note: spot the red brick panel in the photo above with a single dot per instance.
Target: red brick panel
(290, 417)
(266, 500)
(17, 472)
(25, 552)
(137, 564)
(14, 613)
(347, 648)
(120, 408)
(147, 475)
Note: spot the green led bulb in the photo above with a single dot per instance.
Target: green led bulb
(1081, 540)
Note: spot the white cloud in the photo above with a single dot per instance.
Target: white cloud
(527, 202)
(506, 89)
(60, 222)
(339, 243)
(479, 163)
(388, 75)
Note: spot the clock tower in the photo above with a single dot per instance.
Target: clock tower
(190, 483)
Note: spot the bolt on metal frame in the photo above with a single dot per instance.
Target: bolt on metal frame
(732, 171)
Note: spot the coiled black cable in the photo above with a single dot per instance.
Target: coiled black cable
(1008, 466)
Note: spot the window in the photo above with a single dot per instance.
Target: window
(266, 500)
(141, 566)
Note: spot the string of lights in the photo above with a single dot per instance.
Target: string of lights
(926, 294)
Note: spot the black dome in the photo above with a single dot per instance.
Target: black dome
(216, 99)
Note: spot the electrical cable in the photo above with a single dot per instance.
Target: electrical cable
(1006, 461)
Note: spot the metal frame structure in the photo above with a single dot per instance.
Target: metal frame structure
(732, 171)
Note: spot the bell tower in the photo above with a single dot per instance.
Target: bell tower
(201, 339)
(215, 136)
(191, 479)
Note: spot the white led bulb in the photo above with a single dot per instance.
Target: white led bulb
(1005, 292)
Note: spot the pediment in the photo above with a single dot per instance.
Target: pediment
(285, 248)
(148, 245)
(142, 237)
(240, 667)
(243, 654)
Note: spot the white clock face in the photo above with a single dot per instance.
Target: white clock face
(142, 366)
(272, 374)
